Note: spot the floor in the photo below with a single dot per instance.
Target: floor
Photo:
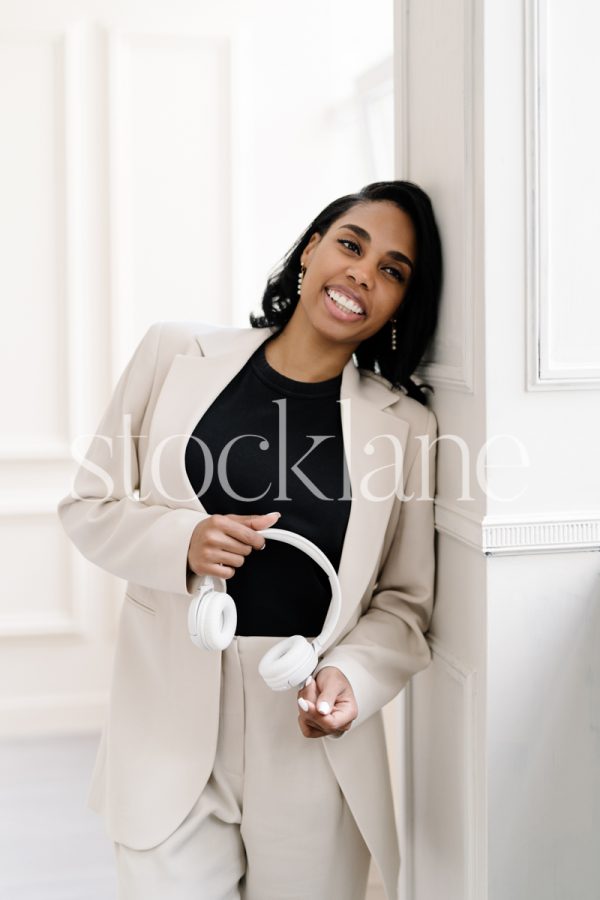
(52, 847)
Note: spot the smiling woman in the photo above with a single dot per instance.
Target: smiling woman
(202, 768)
(371, 260)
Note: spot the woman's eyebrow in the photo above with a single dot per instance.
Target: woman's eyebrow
(395, 254)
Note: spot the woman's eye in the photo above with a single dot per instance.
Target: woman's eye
(351, 245)
(396, 274)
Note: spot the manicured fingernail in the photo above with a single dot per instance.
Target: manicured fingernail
(303, 704)
(308, 681)
(323, 707)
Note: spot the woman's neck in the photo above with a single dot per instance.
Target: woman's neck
(301, 353)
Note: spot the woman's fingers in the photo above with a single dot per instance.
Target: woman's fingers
(314, 723)
(220, 538)
(221, 543)
(311, 728)
(327, 704)
(222, 564)
(243, 530)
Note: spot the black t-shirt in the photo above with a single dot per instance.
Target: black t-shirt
(271, 443)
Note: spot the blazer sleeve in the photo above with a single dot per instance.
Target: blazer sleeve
(103, 515)
(387, 645)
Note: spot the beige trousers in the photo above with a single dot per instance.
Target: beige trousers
(271, 823)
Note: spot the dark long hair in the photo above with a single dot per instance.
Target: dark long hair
(416, 316)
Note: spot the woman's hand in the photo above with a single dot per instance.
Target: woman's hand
(327, 704)
(220, 544)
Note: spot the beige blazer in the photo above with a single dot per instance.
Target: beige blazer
(132, 511)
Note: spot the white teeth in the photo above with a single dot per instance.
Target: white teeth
(345, 302)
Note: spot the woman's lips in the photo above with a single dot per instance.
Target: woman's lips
(341, 314)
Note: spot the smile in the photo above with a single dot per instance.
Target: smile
(343, 304)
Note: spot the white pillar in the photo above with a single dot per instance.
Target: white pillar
(496, 120)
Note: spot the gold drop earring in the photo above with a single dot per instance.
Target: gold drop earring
(393, 324)
(300, 276)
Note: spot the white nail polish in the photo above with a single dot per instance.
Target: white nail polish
(323, 707)
(308, 681)
(303, 704)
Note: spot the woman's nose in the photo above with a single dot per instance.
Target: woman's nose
(362, 275)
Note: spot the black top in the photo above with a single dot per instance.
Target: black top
(276, 444)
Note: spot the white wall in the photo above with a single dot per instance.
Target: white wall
(495, 119)
(544, 727)
(542, 228)
(301, 84)
(157, 160)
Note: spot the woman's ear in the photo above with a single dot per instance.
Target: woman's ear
(308, 250)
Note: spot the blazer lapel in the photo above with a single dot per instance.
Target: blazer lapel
(374, 445)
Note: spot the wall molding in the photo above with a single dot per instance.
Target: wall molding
(34, 450)
(542, 373)
(68, 69)
(76, 308)
(453, 377)
(520, 534)
(373, 87)
(465, 677)
(50, 623)
(43, 715)
(400, 64)
(122, 47)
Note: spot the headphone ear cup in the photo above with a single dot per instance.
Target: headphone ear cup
(288, 663)
(212, 619)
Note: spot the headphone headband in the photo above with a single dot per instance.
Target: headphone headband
(316, 554)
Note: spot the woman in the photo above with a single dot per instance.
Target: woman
(212, 785)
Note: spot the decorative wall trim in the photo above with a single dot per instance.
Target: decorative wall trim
(466, 679)
(372, 89)
(34, 450)
(565, 532)
(77, 362)
(406, 813)
(400, 64)
(119, 204)
(69, 622)
(68, 62)
(459, 523)
(122, 45)
(542, 374)
(459, 377)
(46, 626)
(540, 535)
(73, 713)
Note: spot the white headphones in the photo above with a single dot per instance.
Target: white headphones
(212, 619)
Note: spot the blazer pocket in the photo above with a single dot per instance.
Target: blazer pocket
(140, 604)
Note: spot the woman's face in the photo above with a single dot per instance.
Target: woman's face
(366, 258)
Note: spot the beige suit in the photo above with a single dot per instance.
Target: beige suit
(132, 512)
